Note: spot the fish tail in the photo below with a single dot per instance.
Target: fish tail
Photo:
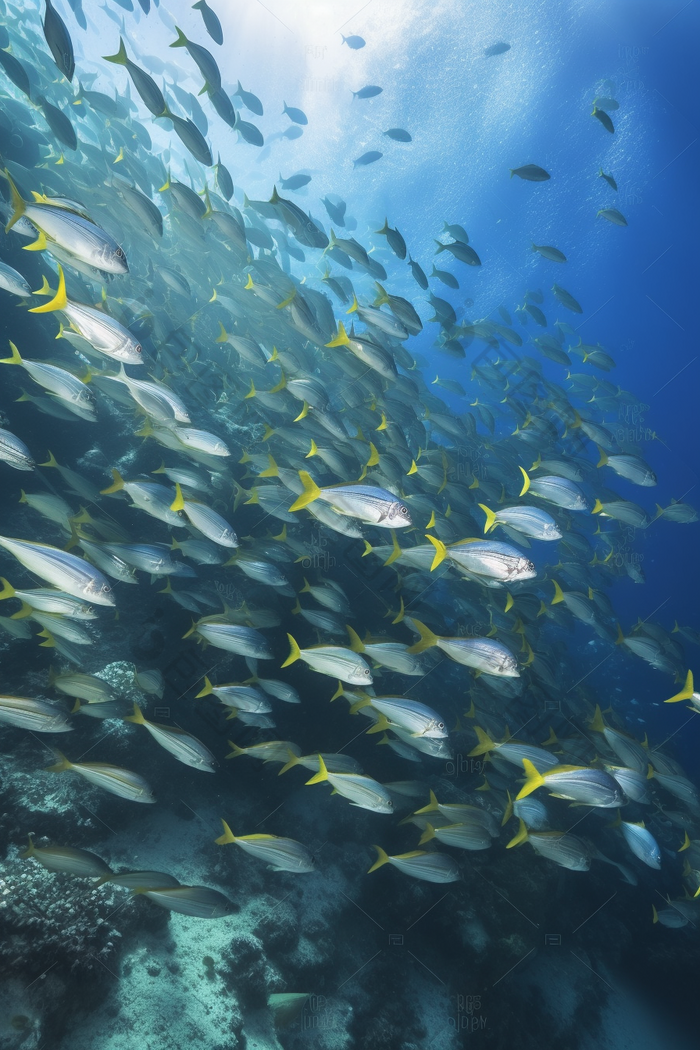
(526, 481)
(272, 470)
(427, 835)
(340, 691)
(342, 337)
(310, 493)
(15, 360)
(26, 610)
(120, 59)
(8, 590)
(137, 716)
(432, 806)
(59, 301)
(227, 836)
(322, 773)
(60, 764)
(30, 850)
(440, 551)
(382, 297)
(491, 516)
(485, 744)
(533, 779)
(382, 858)
(558, 594)
(18, 203)
(294, 652)
(508, 812)
(396, 551)
(116, 486)
(178, 503)
(45, 287)
(520, 837)
(597, 724)
(181, 41)
(686, 692)
(293, 761)
(381, 725)
(603, 458)
(356, 643)
(353, 308)
(427, 638)
(236, 751)
(597, 507)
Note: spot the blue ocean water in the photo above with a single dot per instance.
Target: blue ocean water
(520, 948)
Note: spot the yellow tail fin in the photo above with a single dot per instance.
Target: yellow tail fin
(342, 337)
(137, 716)
(206, 690)
(508, 812)
(382, 858)
(686, 692)
(322, 773)
(227, 836)
(116, 486)
(356, 643)
(310, 493)
(14, 360)
(59, 301)
(178, 503)
(520, 837)
(293, 761)
(432, 806)
(18, 204)
(8, 590)
(440, 551)
(60, 764)
(485, 744)
(533, 780)
(491, 517)
(427, 638)
(294, 652)
(427, 835)
(236, 751)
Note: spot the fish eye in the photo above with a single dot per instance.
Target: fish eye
(403, 510)
(138, 348)
(104, 589)
(366, 671)
(441, 725)
(119, 253)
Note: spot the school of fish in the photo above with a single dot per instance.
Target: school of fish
(278, 432)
